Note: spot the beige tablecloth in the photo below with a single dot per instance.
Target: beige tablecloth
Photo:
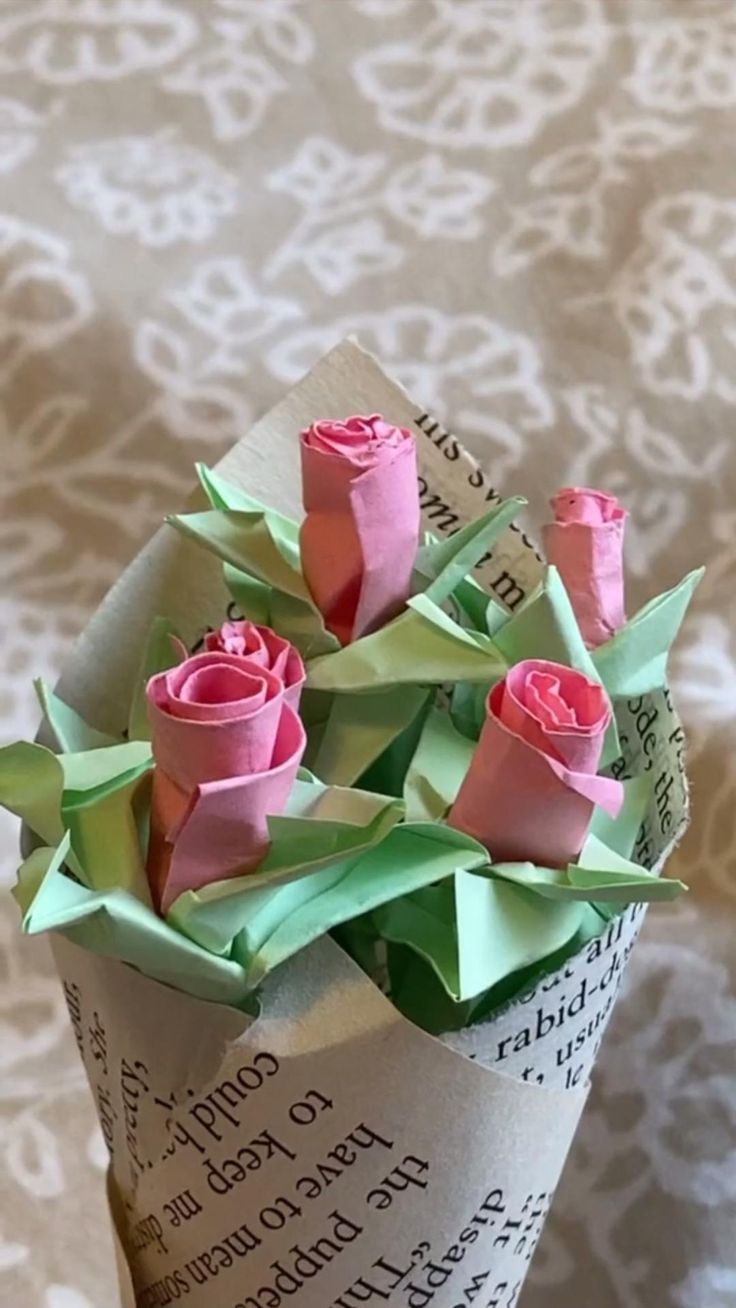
(527, 209)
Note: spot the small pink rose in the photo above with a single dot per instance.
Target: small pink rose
(266, 648)
(585, 544)
(227, 746)
(361, 532)
(531, 788)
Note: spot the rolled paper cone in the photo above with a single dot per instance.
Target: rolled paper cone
(361, 531)
(585, 544)
(318, 1146)
(328, 1143)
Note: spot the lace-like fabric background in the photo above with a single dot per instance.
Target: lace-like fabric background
(527, 209)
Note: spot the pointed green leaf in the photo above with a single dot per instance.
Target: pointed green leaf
(442, 565)
(634, 661)
(249, 542)
(361, 727)
(601, 875)
(225, 495)
(485, 933)
(620, 833)
(412, 856)
(72, 733)
(32, 872)
(31, 785)
(302, 624)
(323, 826)
(423, 646)
(252, 597)
(437, 770)
(117, 925)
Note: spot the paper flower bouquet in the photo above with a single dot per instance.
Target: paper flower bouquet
(343, 831)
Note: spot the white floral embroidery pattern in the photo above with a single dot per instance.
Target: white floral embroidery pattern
(675, 297)
(685, 65)
(201, 378)
(237, 73)
(648, 479)
(571, 217)
(484, 72)
(64, 42)
(19, 129)
(707, 1285)
(525, 209)
(43, 300)
(342, 235)
(154, 188)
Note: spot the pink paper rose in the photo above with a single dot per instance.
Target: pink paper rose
(361, 532)
(227, 745)
(585, 543)
(266, 649)
(530, 791)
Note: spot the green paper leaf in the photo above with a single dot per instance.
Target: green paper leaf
(107, 839)
(423, 646)
(252, 597)
(601, 875)
(160, 654)
(97, 773)
(361, 727)
(223, 494)
(323, 826)
(482, 610)
(468, 708)
(620, 833)
(72, 733)
(413, 855)
(486, 932)
(31, 785)
(33, 871)
(634, 661)
(436, 772)
(443, 564)
(117, 925)
(302, 624)
(251, 542)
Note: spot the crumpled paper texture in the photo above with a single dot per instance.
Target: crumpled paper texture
(187, 224)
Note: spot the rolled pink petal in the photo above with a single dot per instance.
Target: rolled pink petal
(266, 648)
(221, 829)
(227, 747)
(531, 788)
(361, 532)
(585, 544)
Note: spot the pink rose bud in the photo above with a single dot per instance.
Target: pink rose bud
(265, 648)
(361, 532)
(227, 747)
(585, 544)
(530, 791)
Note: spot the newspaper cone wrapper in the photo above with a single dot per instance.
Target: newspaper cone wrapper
(328, 1153)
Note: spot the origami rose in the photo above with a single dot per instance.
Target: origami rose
(360, 535)
(530, 791)
(227, 746)
(265, 648)
(585, 543)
